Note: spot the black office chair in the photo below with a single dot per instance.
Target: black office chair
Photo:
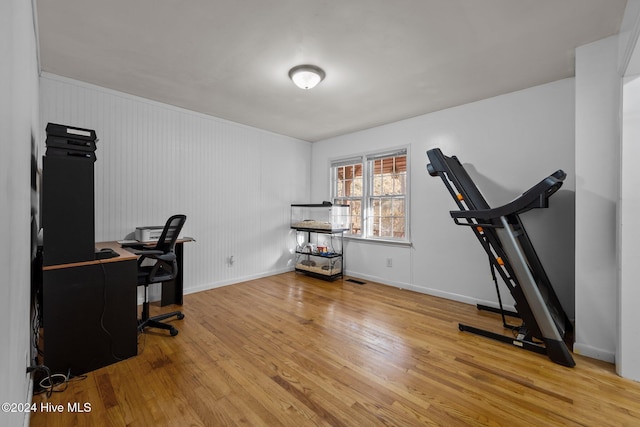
(164, 268)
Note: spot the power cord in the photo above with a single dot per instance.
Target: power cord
(142, 341)
(50, 381)
(104, 311)
(47, 372)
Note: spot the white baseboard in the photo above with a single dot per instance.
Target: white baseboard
(155, 295)
(219, 284)
(429, 291)
(594, 353)
(27, 415)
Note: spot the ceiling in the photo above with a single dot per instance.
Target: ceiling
(384, 60)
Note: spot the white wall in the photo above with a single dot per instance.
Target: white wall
(597, 161)
(628, 346)
(235, 183)
(508, 143)
(18, 126)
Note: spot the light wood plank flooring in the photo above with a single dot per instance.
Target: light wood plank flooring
(289, 350)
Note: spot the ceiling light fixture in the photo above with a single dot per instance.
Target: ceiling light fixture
(306, 76)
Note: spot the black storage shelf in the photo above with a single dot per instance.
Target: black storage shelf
(320, 254)
(315, 263)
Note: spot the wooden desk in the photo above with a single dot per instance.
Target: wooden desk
(123, 256)
(89, 312)
(172, 291)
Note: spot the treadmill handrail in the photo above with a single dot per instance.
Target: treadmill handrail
(536, 197)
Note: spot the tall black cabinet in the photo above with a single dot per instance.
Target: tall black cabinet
(68, 210)
(88, 302)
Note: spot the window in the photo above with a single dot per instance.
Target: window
(348, 189)
(375, 187)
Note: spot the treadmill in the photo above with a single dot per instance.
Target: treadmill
(545, 327)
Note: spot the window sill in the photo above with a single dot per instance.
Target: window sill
(387, 242)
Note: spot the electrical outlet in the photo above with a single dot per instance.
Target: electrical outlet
(389, 262)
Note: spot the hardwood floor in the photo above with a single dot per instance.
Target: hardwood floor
(291, 350)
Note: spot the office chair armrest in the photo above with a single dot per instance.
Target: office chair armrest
(168, 257)
(151, 254)
(157, 255)
(147, 252)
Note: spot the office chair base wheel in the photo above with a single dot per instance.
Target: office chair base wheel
(180, 316)
(173, 332)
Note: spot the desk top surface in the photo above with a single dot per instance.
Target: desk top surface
(124, 255)
(118, 246)
(133, 243)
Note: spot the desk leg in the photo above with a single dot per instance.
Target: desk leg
(172, 290)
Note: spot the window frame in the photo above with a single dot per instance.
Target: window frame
(367, 197)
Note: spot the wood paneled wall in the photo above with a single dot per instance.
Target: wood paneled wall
(235, 183)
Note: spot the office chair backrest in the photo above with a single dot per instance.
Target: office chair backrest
(172, 228)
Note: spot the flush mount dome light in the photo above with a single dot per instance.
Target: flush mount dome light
(306, 76)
